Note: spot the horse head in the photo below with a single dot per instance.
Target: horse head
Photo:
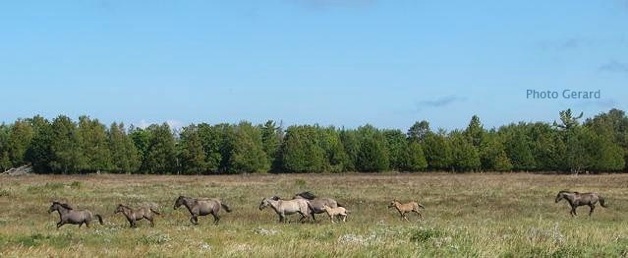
(179, 202)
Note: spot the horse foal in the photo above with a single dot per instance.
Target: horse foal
(406, 207)
(336, 212)
(134, 215)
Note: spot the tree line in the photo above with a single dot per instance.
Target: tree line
(64, 146)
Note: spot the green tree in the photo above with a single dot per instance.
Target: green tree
(94, 145)
(271, 142)
(438, 151)
(211, 142)
(20, 137)
(419, 130)
(335, 156)
(397, 148)
(518, 146)
(301, 151)
(373, 154)
(161, 152)
(191, 153)
(493, 154)
(5, 161)
(39, 152)
(616, 122)
(475, 131)
(248, 154)
(141, 140)
(605, 152)
(66, 146)
(465, 156)
(414, 158)
(351, 146)
(124, 154)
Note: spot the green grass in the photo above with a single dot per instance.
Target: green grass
(469, 215)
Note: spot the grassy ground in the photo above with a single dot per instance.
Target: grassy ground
(471, 215)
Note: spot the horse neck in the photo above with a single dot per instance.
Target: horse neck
(62, 211)
(189, 203)
(274, 204)
(570, 197)
(126, 210)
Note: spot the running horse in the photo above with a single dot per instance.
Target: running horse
(576, 199)
(68, 215)
(201, 207)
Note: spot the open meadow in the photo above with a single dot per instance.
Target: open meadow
(471, 215)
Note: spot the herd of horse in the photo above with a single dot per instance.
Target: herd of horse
(305, 204)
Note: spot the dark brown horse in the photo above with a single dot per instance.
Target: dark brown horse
(317, 203)
(576, 199)
(201, 207)
(138, 214)
(68, 215)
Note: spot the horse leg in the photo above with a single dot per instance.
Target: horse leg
(591, 210)
(60, 223)
(418, 212)
(150, 219)
(404, 217)
(194, 220)
(216, 218)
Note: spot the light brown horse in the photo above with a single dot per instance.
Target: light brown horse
(336, 212)
(406, 207)
(576, 199)
(286, 207)
(67, 215)
(138, 214)
(201, 207)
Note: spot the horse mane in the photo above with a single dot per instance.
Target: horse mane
(566, 191)
(65, 205)
(275, 198)
(307, 195)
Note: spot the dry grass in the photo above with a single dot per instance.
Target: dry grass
(466, 214)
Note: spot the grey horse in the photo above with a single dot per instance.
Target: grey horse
(67, 215)
(316, 203)
(576, 199)
(201, 207)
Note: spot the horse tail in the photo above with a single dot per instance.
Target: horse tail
(339, 205)
(99, 219)
(154, 211)
(420, 205)
(225, 206)
(602, 201)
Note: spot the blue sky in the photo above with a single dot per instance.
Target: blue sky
(331, 62)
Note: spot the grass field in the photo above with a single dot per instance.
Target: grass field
(470, 215)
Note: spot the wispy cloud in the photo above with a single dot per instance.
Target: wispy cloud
(566, 44)
(440, 102)
(614, 66)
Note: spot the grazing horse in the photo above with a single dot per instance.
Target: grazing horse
(134, 215)
(336, 212)
(316, 203)
(406, 207)
(576, 199)
(67, 215)
(201, 207)
(283, 207)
